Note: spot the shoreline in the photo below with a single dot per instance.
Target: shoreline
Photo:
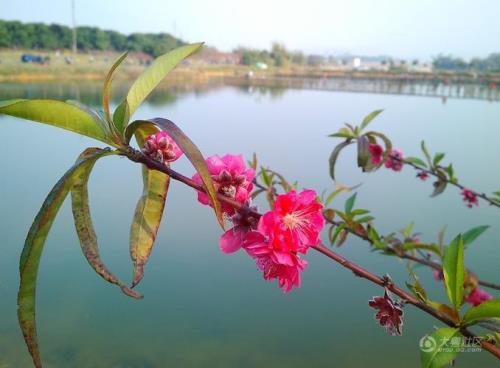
(207, 73)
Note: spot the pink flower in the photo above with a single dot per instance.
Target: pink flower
(232, 240)
(469, 197)
(231, 178)
(376, 152)
(161, 147)
(390, 313)
(394, 161)
(295, 222)
(283, 266)
(478, 296)
(422, 175)
(437, 275)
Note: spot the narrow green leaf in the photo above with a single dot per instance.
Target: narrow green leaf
(407, 231)
(148, 80)
(56, 113)
(436, 349)
(439, 187)
(359, 211)
(349, 204)
(363, 152)
(453, 269)
(336, 233)
(486, 310)
(416, 161)
(106, 91)
(32, 251)
(148, 212)
(190, 150)
(84, 226)
(437, 158)
(472, 234)
(426, 153)
(365, 219)
(368, 118)
(335, 154)
(429, 247)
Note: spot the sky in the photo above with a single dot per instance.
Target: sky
(400, 28)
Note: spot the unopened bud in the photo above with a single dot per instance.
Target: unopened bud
(162, 143)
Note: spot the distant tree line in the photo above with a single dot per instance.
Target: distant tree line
(279, 55)
(15, 34)
(447, 62)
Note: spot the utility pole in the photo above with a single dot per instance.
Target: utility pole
(74, 26)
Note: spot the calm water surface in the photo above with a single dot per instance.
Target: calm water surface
(206, 309)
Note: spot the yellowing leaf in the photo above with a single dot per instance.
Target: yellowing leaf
(56, 113)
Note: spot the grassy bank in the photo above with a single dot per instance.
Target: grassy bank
(64, 65)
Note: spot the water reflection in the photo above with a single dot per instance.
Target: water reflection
(379, 86)
(89, 92)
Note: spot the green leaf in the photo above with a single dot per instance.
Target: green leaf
(359, 211)
(429, 247)
(363, 152)
(451, 173)
(365, 219)
(437, 158)
(32, 251)
(190, 150)
(426, 153)
(453, 269)
(368, 118)
(349, 204)
(106, 91)
(472, 234)
(56, 113)
(407, 231)
(148, 212)
(148, 80)
(342, 133)
(436, 350)
(335, 154)
(439, 187)
(416, 161)
(336, 233)
(486, 310)
(266, 178)
(83, 222)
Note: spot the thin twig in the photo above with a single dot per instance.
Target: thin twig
(137, 156)
(456, 184)
(422, 261)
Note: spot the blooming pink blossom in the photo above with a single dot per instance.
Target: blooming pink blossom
(477, 296)
(275, 264)
(469, 197)
(394, 162)
(161, 147)
(231, 178)
(376, 153)
(295, 222)
(422, 175)
(390, 313)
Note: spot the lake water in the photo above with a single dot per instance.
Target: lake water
(206, 309)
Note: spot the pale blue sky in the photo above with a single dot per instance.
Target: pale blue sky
(401, 28)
